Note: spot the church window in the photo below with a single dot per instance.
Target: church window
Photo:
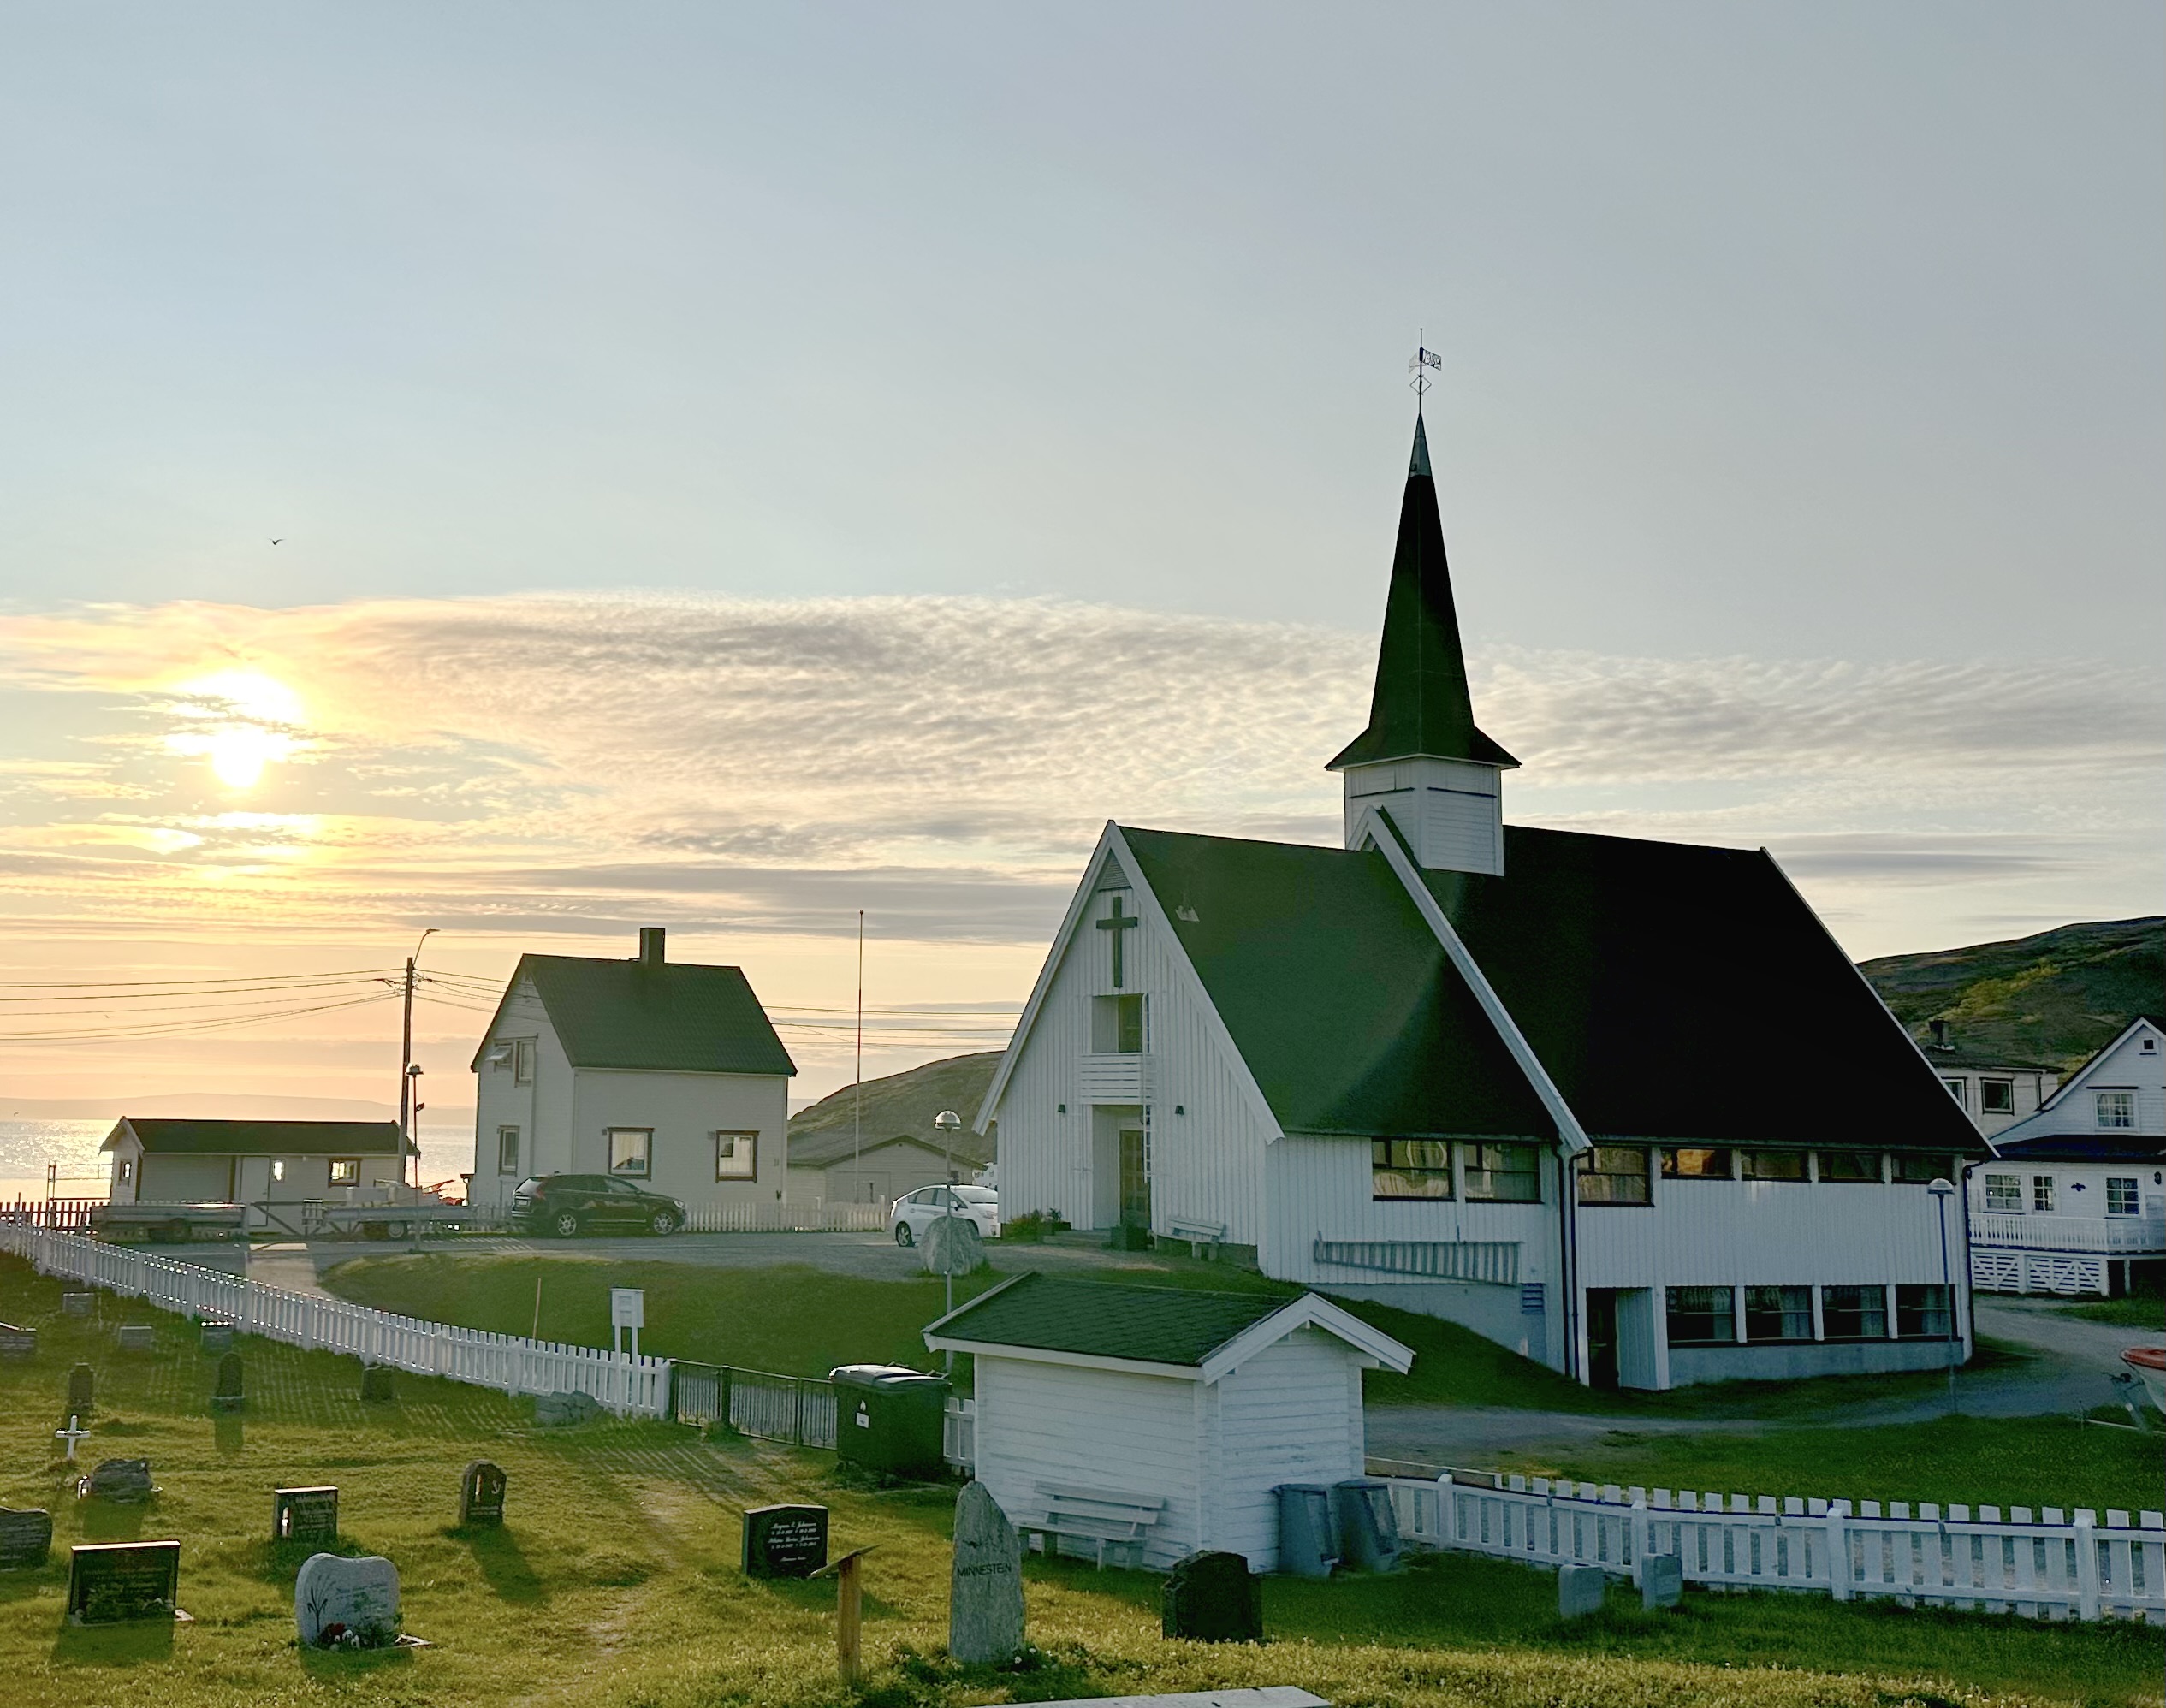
(1504, 1174)
(1409, 1168)
(1778, 1314)
(1117, 1025)
(2121, 1194)
(1695, 1162)
(2005, 1193)
(1914, 1170)
(1772, 1164)
(1613, 1174)
(1854, 1313)
(1996, 1096)
(2116, 1108)
(1850, 1167)
(1921, 1313)
(1702, 1316)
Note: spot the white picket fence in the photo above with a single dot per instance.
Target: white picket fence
(772, 1217)
(2050, 1565)
(511, 1363)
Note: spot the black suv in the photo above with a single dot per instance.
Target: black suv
(569, 1205)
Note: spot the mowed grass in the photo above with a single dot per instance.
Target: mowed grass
(614, 1581)
(2126, 1313)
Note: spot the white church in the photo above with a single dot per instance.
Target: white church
(1516, 1078)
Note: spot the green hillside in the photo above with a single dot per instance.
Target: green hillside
(2054, 998)
(904, 1104)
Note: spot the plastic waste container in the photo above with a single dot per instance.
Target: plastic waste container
(1307, 1540)
(1369, 1533)
(888, 1418)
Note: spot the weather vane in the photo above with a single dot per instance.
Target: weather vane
(1424, 360)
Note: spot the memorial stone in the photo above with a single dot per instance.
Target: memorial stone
(79, 1304)
(1662, 1580)
(117, 1479)
(562, 1411)
(953, 1246)
(305, 1515)
(1213, 1597)
(340, 1601)
(1579, 1589)
(481, 1493)
(136, 1337)
(784, 1541)
(17, 1343)
(26, 1536)
(82, 1391)
(985, 1596)
(379, 1385)
(217, 1338)
(228, 1392)
(109, 1581)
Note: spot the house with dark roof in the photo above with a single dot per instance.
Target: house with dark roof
(667, 1073)
(1996, 1089)
(1511, 1077)
(2073, 1199)
(159, 1161)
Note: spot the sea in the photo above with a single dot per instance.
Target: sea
(28, 1147)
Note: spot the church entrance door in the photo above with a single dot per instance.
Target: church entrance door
(1134, 1177)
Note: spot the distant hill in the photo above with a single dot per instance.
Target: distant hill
(903, 1105)
(2053, 999)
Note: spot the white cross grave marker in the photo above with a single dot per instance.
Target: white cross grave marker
(72, 1434)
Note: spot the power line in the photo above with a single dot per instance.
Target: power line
(186, 996)
(263, 979)
(151, 1030)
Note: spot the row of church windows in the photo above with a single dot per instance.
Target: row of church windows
(1709, 1316)
(1506, 1173)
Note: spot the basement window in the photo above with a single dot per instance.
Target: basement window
(1854, 1313)
(1778, 1314)
(1409, 1168)
(1921, 1313)
(346, 1171)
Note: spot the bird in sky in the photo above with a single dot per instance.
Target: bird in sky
(278, 541)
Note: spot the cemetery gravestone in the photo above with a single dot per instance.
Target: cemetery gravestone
(953, 1246)
(17, 1343)
(1579, 1589)
(136, 1337)
(1213, 1597)
(217, 1337)
(126, 1480)
(337, 1600)
(985, 1596)
(481, 1493)
(309, 1515)
(378, 1385)
(1662, 1580)
(78, 1304)
(82, 1389)
(26, 1536)
(228, 1392)
(784, 1541)
(109, 1581)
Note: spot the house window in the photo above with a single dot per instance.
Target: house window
(1702, 1316)
(522, 1061)
(631, 1149)
(1854, 1313)
(508, 1150)
(1996, 1096)
(2116, 1108)
(1954, 1084)
(1914, 1170)
(1409, 1168)
(1850, 1166)
(1778, 1314)
(346, 1171)
(1504, 1174)
(2042, 1194)
(2005, 1193)
(1695, 1164)
(1117, 1025)
(2121, 1194)
(1921, 1313)
(736, 1155)
(1771, 1165)
(1613, 1174)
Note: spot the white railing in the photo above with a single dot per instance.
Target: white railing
(772, 1217)
(2049, 1566)
(2072, 1274)
(511, 1363)
(2106, 1236)
(958, 1434)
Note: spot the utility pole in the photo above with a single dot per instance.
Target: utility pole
(857, 1095)
(406, 1069)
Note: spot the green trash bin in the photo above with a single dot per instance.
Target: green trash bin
(889, 1419)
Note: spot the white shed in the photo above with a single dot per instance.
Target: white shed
(1203, 1400)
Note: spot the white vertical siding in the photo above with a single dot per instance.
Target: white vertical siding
(542, 1111)
(686, 1110)
(1290, 1415)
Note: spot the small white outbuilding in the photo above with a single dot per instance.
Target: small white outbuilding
(1202, 1402)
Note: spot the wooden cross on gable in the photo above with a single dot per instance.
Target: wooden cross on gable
(1119, 924)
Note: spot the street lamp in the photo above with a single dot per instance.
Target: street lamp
(1943, 1191)
(947, 1121)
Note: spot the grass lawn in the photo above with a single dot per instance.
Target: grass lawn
(614, 1581)
(2148, 1313)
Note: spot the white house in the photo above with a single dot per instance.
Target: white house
(156, 1161)
(1518, 1079)
(1203, 1400)
(1995, 1090)
(663, 1073)
(2073, 1200)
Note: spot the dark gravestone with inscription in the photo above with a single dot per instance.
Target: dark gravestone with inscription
(82, 1391)
(126, 1480)
(136, 1337)
(109, 1581)
(985, 1595)
(379, 1385)
(309, 1516)
(17, 1343)
(26, 1536)
(79, 1304)
(784, 1541)
(481, 1493)
(217, 1338)
(229, 1391)
(1213, 1597)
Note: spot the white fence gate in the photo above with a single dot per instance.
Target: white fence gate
(2049, 1566)
(631, 1387)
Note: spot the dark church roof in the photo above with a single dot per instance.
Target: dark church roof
(1656, 982)
(671, 1017)
(1421, 705)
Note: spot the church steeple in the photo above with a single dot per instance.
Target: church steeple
(1422, 757)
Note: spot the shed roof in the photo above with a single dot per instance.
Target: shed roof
(258, 1138)
(673, 1017)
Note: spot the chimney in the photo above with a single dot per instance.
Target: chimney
(650, 953)
(1939, 1027)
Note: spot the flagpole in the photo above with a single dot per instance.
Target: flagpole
(858, 1093)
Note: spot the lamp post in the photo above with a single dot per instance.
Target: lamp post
(1943, 1191)
(947, 1121)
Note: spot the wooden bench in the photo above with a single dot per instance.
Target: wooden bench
(1105, 1518)
(1204, 1238)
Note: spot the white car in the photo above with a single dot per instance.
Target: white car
(907, 1221)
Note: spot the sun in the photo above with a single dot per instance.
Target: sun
(241, 720)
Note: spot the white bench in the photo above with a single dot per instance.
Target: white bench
(1105, 1518)
(1204, 1238)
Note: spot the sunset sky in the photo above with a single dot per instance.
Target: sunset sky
(733, 467)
